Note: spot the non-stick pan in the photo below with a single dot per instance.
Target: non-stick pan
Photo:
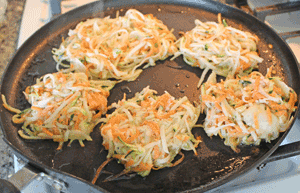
(215, 163)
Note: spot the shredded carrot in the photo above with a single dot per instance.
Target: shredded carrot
(275, 106)
(186, 138)
(79, 118)
(99, 114)
(129, 163)
(97, 101)
(132, 136)
(118, 156)
(145, 103)
(142, 167)
(100, 169)
(166, 115)
(220, 98)
(104, 130)
(245, 65)
(61, 139)
(47, 131)
(256, 84)
(55, 131)
(106, 145)
(257, 95)
(208, 98)
(218, 106)
(278, 90)
(269, 115)
(162, 100)
(27, 89)
(178, 161)
(221, 119)
(256, 123)
(117, 119)
(281, 113)
(156, 152)
(36, 108)
(292, 99)
(39, 122)
(154, 126)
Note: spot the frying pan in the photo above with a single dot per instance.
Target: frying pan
(215, 164)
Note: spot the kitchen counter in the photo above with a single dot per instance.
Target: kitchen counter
(9, 32)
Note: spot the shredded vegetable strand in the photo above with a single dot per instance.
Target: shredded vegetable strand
(219, 47)
(148, 131)
(100, 169)
(115, 47)
(248, 109)
(63, 107)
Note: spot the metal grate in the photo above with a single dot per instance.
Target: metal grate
(261, 12)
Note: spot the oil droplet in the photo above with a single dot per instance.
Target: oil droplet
(159, 9)
(36, 73)
(177, 85)
(186, 86)
(175, 67)
(126, 89)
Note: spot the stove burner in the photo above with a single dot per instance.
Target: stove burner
(262, 12)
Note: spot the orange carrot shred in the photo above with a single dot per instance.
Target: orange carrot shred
(100, 169)
(45, 130)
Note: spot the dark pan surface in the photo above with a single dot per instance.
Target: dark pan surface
(215, 163)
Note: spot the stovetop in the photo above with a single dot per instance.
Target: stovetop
(272, 177)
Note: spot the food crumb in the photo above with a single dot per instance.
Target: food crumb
(270, 46)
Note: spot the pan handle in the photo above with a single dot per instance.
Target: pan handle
(8, 187)
(292, 34)
(285, 151)
(28, 178)
(19, 181)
